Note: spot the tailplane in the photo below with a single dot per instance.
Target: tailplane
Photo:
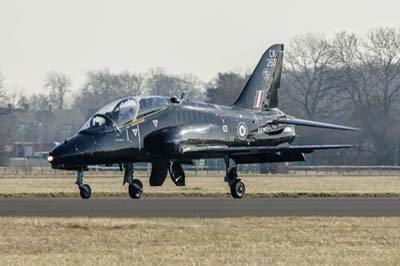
(308, 123)
(261, 90)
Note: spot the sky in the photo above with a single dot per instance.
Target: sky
(183, 36)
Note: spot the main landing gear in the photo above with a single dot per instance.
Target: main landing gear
(135, 188)
(84, 189)
(237, 186)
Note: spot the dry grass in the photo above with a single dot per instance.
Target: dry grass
(212, 185)
(236, 241)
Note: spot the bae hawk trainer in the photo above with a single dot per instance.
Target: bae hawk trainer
(171, 132)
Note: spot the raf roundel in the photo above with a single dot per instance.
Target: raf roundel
(242, 131)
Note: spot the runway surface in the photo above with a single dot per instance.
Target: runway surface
(199, 207)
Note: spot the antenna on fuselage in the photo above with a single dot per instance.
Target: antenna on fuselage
(175, 99)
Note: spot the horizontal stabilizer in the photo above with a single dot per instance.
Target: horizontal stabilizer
(308, 123)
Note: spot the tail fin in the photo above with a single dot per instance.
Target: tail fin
(261, 91)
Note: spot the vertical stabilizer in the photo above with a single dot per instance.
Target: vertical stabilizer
(261, 91)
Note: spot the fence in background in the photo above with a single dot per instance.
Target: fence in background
(144, 169)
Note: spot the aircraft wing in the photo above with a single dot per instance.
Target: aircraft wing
(220, 151)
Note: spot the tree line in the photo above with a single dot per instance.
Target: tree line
(348, 79)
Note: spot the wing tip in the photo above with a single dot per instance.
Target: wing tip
(352, 128)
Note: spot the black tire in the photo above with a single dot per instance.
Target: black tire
(135, 189)
(238, 189)
(85, 191)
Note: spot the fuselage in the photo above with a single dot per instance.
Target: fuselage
(162, 132)
(169, 133)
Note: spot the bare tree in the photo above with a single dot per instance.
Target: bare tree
(131, 84)
(351, 77)
(39, 102)
(381, 49)
(103, 86)
(226, 87)
(3, 94)
(99, 88)
(382, 59)
(307, 79)
(368, 73)
(13, 95)
(193, 87)
(161, 83)
(58, 84)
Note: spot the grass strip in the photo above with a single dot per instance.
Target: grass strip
(205, 195)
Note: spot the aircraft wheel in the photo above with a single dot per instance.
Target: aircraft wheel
(238, 189)
(135, 189)
(85, 191)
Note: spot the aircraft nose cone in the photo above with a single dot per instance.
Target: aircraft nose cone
(71, 154)
(59, 153)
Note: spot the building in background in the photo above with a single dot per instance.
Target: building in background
(30, 149)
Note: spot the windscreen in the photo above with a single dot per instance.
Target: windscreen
(124, 112)
(119, 113)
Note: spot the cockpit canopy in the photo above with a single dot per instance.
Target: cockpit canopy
(120, 113)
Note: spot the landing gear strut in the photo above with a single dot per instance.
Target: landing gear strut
(237, 186)
(135, 188)
(177, 173)
(84, 189)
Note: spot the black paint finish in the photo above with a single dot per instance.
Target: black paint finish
(161, 130)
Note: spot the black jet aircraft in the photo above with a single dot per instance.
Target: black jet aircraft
(171, 132)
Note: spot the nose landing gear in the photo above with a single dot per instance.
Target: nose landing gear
(84, 189)
(135, 189)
